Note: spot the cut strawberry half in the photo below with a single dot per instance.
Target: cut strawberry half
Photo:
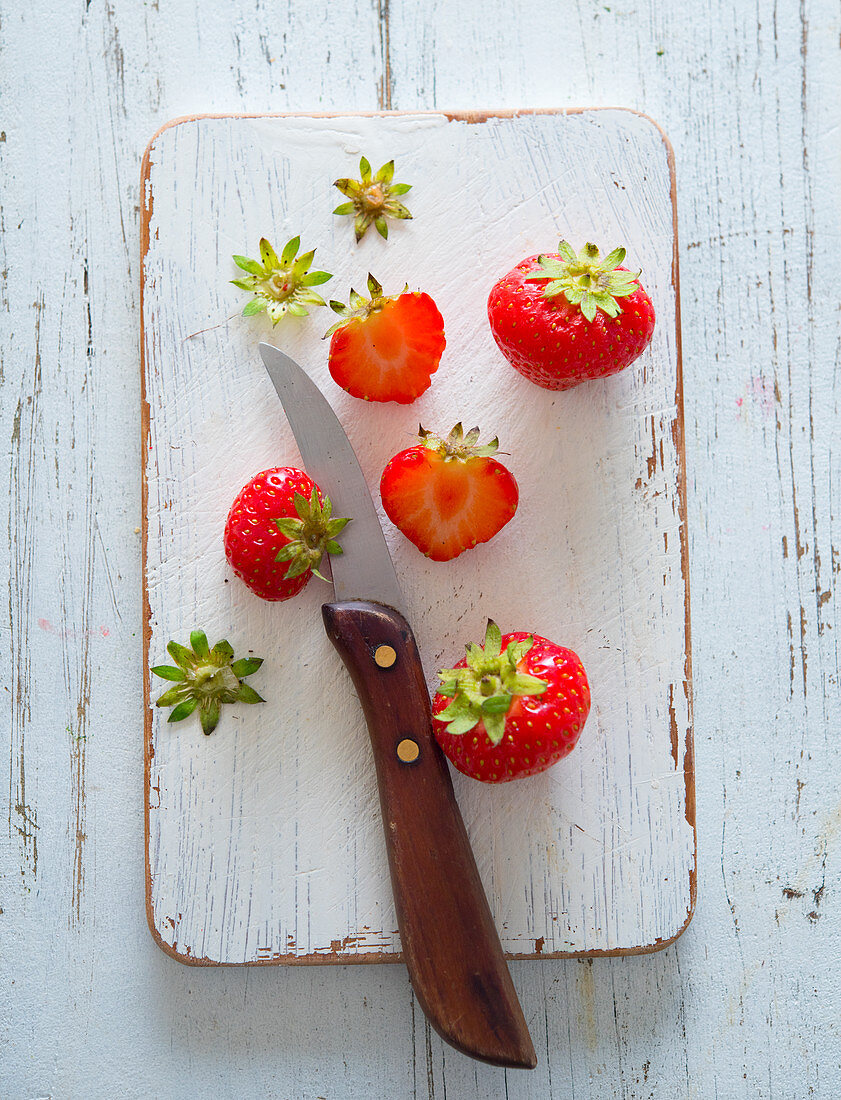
(386, 348)
(448, 495)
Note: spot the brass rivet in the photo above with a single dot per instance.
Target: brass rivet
(385, 656)
(408, 750)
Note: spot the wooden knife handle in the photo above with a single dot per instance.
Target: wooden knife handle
(450, 944)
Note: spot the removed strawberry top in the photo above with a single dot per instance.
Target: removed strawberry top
(282, 284)
(205, 679)
(373, 198)
(448, 495)
(278, 529)
(561, 319)
(512, 707)
(386, 348)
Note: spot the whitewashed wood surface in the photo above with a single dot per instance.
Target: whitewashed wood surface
(265, 842)
(746, 1004)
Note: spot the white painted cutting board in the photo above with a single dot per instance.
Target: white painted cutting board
(264, 840)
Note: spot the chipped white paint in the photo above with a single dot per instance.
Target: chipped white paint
(265, 839)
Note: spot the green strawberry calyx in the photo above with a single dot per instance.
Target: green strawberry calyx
(484, 690)
(311, 535)
(282, 284)
(373, 199)
(205, 678)
(586, 280)
(360, 307)
(458, 447)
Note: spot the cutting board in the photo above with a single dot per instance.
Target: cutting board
(263, 841)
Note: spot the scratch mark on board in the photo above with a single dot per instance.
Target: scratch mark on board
(384, 89)
(23, 817)
(78, 677)
(587, 987)
(673, 734)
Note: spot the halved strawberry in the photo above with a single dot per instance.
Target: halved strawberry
(447, 495)
(386, 348)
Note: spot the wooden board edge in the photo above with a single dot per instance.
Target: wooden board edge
(678, 431)
(146, 203)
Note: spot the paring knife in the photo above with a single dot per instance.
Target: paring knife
(449, 941)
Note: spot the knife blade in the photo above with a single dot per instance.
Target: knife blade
(449, 941)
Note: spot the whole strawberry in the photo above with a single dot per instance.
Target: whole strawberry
(512, 707)
(386, 348)
(447, 495)
(558, 319)
(280, 517)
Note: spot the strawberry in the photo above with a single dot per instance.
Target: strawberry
(447, 495)
(557, 318)
(386, 348)
(280, 516)
(205, 678)
(512, 707)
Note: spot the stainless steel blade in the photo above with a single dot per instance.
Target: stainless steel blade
(365, 570)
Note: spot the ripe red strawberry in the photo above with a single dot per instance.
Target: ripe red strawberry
(280, 516)
(447, 495)
(512, 707)
(557, 318)
(386, 348)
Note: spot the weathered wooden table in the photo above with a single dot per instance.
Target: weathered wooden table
(746, 1002)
